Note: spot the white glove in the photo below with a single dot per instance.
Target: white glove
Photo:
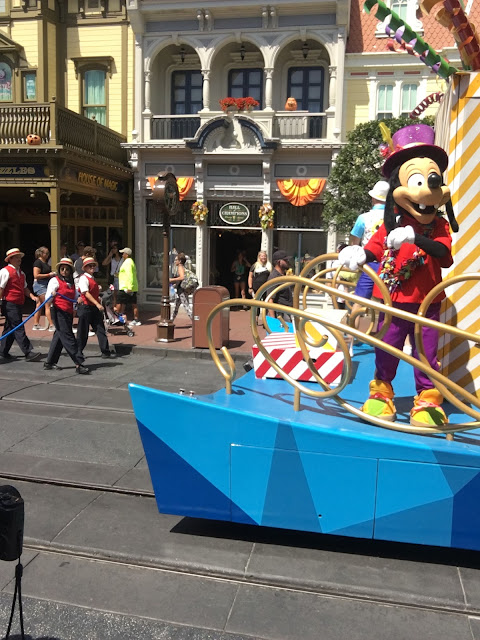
(399, 236)
(352, 257)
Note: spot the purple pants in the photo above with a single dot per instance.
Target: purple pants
(386, 364)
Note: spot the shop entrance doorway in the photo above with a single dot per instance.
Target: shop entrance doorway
(32, 237)
(224, 247)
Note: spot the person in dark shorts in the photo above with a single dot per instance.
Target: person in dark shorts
(239, 270)
(128, 286)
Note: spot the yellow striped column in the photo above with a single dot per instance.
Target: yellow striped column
(460, 360)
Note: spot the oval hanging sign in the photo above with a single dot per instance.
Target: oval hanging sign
(234, 213)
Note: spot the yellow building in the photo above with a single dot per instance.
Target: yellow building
(66, 105)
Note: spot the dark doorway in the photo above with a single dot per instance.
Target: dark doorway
(32, 236)
(224, 247)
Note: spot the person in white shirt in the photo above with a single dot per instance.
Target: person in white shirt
(62, 288)
(90, 311)
(13, 290)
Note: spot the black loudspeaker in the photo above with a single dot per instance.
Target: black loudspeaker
(12, 518)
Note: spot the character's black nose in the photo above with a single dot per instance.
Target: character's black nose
(434, 181)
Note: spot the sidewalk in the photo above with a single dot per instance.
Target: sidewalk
(240, 344)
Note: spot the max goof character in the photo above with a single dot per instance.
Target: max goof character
(412, 245)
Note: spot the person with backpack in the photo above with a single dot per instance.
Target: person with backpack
(185, 282)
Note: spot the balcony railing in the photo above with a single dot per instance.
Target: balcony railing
(300, 126)
(59, 127)
(174, 127)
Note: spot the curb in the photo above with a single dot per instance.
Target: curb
(165, 352)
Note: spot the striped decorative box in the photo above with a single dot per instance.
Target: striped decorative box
(284, 349)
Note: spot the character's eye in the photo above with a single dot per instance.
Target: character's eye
(415, 181)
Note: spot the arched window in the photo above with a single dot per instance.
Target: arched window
(6, 86)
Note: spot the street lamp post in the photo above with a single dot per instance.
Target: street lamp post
(165, 194)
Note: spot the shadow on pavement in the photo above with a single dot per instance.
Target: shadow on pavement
(331, 543)
(19, 637)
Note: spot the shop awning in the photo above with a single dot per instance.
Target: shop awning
(184, 185)
(301, 192)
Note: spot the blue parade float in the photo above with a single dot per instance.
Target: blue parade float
(313, 455)
(250, 454)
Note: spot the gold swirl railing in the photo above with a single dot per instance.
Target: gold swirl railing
(322, 283)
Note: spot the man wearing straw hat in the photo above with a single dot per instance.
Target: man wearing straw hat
(62, 288)
(13, 289)
(90, 311)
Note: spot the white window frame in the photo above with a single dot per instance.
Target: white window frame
(377, 96)
(397, 84)
(402, 87)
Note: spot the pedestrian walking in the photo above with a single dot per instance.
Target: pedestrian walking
(258, 275)
(62, 288)
(128, 286)
(114, 261)
(181, 294)
(42, 273)
(239, 270)
(90, 311)
(13, 289)
(281, 263)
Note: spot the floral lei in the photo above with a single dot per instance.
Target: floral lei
(395, 278)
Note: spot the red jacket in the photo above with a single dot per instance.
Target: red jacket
(425, 276)
(15, 288)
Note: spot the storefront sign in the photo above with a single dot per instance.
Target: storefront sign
(23, 171)
(94, 180)
(234, 213)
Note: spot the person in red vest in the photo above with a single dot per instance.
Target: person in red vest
(62, 288)
(90, 311)
(13, 289)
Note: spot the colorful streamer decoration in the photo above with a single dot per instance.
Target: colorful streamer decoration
(400, 31)
(424, 104)
(450, 14)
(184, 185)
(301, 192)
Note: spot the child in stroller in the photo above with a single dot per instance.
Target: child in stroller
(114, 320)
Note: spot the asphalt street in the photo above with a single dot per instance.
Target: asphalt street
(102, 563)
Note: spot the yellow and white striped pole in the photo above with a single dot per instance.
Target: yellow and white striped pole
(460, 360)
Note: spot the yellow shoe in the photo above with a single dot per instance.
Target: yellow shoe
(426, 411)
(380, 402)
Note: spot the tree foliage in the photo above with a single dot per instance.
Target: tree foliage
(357, 168)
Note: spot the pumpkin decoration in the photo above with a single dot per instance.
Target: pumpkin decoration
(291, 104)
(34, 139)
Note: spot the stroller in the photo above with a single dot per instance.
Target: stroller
(113, 320)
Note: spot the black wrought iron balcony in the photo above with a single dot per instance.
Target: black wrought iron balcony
(61, 128)
(174, 127)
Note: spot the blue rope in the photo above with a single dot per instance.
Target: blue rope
(32, 314)
(26, 319)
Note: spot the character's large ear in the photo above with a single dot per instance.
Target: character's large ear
(389, 214)
(451, 216)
